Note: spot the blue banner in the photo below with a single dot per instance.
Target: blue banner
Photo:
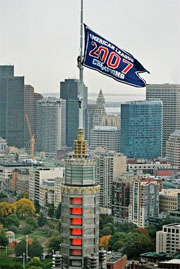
(106, 58)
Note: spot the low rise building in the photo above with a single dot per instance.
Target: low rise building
(168, 240)
(168, 200)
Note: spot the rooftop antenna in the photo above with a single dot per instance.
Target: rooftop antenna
(80, 65)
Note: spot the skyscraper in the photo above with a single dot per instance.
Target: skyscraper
(109, 166)
(141, 129)
(69, 91)
(170, 95)
(11, 106)
(30, 108)
(173, 149)
(96, 113)
(51, 124)
(105, 136)
(80, 209)
(144, 201)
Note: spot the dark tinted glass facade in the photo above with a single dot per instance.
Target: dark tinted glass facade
(69, 91)
(11, 107)
(141, 129)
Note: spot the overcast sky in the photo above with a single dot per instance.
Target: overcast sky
(41, 39)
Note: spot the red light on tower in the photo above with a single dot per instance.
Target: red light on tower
(76, 252)
(76, 221)
(76, 242)
(77, 201)
(76, 231)
(76, 211)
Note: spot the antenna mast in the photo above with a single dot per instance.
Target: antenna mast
(80, 95)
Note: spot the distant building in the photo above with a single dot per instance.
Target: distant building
(50, 192)
(38, 177)
(168, 200)
(11, 107)
(105, 136)
(141, 129)
(69, 91)
(109, 165)
(51, 124)
(111, 120)
(168, 240)
(169, 94)
(3, 145)
(30, 108)
(144, 201)
(173, 149)
(96, 113)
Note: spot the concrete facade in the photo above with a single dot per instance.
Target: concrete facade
(168, 240)
(105, 136)
(51, 124)
(173, 149)
(170, 95)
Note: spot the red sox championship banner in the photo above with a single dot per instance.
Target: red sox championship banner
(106, 58)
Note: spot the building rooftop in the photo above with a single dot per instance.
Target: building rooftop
(174, 261)
(105, 128)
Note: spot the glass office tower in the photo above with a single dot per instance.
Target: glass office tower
(141, 129)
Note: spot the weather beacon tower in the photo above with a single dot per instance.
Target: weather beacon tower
(80, 197)
(80, 209)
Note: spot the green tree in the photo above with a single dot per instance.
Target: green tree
(125, 227)
(137, 243)
(32, 222)
(41, 220)
(3, 239)
(51, 211)
(12, 220)
(35, 262)
(119, 244)
(27, 229)
(58, 211)
(54, 244)
(35, 249)
(107, 230)
(20, 248)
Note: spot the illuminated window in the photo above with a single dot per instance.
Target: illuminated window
(76, 221)
(76, 252)
(76, 231)
(76, 201)
(76, 211)
(76, 242)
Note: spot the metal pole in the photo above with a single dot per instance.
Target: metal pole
(26, 248)
(23, 260)
(81, 71)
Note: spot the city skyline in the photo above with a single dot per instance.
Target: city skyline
(44, 48)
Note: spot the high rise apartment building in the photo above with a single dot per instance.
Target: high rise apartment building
(141, 129)
(30, 108)
(80, 210)
(144, 201)
(105, 136)
(121, 196)
(169, 94)
(69, 91)
(109, 166)
(168, 240)
(37, 178)
(11, 107)
(51, 124)
(173, 149)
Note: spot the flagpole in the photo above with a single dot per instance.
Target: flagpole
(80, 95)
